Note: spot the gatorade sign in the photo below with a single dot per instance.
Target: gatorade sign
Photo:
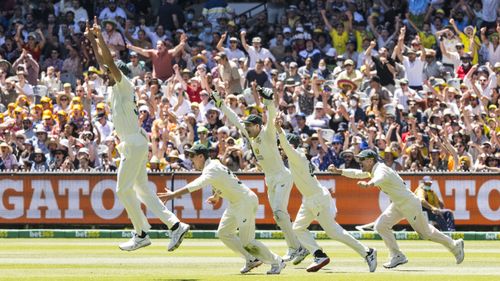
(91, 199)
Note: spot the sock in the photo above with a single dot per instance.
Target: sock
(320, 254)
(175, 226)
(142, 235)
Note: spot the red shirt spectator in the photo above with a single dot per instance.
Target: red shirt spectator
(161, 57)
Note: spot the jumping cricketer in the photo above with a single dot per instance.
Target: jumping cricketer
(317, 204)
(132, 183)
(278, 178)
(239, 215)
(405, 205)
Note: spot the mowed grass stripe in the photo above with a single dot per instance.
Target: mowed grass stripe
(100, 259)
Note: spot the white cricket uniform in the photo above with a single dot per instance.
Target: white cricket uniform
(239, 215)
(278, 178)
(317, 204)
(132, 183)
(405, 205)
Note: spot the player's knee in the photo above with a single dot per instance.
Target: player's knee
(281, 216)
(223, 234)
(298, 228)
(122, 191)
(379, 226)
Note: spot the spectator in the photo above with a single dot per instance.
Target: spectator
(255, 52)
(8, 160)
(161, 57)
(112, 11)
(441, 218)
(170, 15)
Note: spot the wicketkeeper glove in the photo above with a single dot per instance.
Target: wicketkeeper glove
(265, 93)
(216, 98)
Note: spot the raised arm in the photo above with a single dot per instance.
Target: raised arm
(244, 40)
(107, 59)
(231, 116)
(412, 23)
(368, 52)
(220, 44)
(454, 25)
(325, 20)
(180, 46)
(285, 145)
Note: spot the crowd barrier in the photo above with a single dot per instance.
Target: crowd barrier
(89, 198)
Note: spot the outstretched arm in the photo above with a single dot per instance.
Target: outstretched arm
(231, 116)
(180, 46)
(325, 20)
(103, 49)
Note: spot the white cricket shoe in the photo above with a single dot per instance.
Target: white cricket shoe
(371, 259)
(292, 253)
(277, 267)
(318, 263)
(395, 261)
(459, 250)
(135, 243)
(250, 265)
(300, 255)
(177, 235)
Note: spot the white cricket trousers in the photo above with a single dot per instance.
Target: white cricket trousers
(241, 215)
(412, 211)
(278, 193)
(321, 207)
(132, 185)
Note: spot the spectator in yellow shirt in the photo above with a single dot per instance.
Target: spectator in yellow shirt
(427, 39)
(340, 35)
(441, 218)
(466, 38)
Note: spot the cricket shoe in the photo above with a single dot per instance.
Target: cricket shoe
(277, 267)
(396, 260)
(135, 243)
(318, 263)
(250, 265)
(371, 259)
(300, 255)
(459, 250)
(177, 235)
(291, 254)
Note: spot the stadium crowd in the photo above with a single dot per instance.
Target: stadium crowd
(416, 80)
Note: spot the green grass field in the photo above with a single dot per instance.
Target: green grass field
(196, 259)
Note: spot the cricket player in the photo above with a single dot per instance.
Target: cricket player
(317, 204)
(278, 178)
(240, 214)
(405, 205)
(132, 183)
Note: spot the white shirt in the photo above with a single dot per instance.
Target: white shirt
(104, 130)
(302, 170)
(264, 146)
(108, 14)
(414, 71)
(124, 109)
(224, 183)
(402, 98)
(262, 54)
(234, 54)
(493, 54)
(387, 180)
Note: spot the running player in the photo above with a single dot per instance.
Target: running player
(405, 205)
(317, 204)
(239, 215)
(278, 178)
(132, 183)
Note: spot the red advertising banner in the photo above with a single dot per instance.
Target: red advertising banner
(91, 199)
